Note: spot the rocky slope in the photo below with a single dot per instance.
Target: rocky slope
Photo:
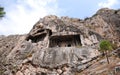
(61, 46)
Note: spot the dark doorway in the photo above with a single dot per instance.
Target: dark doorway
(65, 41)
(69, 45)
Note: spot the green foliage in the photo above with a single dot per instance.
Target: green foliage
(105, 45)
(2, 13)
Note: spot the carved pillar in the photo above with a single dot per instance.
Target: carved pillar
(82, 40)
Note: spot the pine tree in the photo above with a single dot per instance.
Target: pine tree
(105, 46)
(2, 13)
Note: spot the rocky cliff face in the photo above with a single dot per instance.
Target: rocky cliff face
(58, 46)
(106, 22)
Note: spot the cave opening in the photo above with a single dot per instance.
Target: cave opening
(65, 41)
(39, 35)
(37, 38)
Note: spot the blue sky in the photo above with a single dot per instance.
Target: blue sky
(21, 15)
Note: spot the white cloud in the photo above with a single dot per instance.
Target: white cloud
(23, 14)
(108, 3)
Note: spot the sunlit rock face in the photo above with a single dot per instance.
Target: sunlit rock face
(58, 45)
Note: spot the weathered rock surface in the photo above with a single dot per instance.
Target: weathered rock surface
(59, 46)
(106, 22)
(55, 57)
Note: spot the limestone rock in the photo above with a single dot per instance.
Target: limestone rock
(59, 45)
(55, 57)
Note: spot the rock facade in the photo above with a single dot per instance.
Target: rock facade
(58, 46)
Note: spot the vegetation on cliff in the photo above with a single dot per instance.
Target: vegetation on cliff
(105, 46)
(2, 12)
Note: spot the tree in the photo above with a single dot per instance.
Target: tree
(105, 46)
(2, 13)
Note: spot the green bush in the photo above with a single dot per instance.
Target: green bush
(105, 45)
